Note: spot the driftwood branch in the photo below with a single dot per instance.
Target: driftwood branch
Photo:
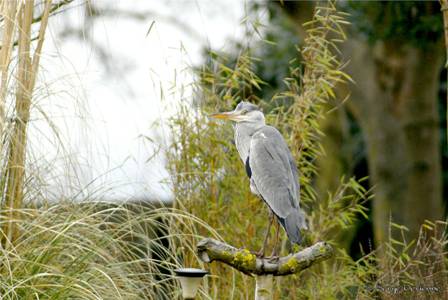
(244, 261)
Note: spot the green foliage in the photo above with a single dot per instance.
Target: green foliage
(271, 58)
(277, 55)
(416, 22)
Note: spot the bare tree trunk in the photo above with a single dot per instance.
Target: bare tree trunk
(444, 9)
(420, 126)
(395, 99)
(335, 163)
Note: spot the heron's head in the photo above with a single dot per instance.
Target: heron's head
(243, 112)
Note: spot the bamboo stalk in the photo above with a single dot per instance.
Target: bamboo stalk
(26, 78)
(9, 15)
(40, 42)
(15, 168)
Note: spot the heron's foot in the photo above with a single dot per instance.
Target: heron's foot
(272, 258)
(260, 254)
(274, 253)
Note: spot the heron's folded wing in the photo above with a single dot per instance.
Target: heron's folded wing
(272, 173)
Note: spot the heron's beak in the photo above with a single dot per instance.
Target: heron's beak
(231, 115)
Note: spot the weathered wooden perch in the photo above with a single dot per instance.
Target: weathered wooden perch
(248, 263)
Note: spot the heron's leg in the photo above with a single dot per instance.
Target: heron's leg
(271, 219)
(277, 231)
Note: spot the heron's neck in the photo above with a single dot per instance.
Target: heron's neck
(243, 136)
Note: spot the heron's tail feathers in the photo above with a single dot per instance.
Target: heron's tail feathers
(293, 223)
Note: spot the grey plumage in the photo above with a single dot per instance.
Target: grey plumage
(270, 166)
(274, 175)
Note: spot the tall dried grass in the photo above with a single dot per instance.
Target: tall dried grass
(96, 251)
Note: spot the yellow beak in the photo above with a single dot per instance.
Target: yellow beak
(226, 116)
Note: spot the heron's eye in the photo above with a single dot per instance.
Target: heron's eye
(244, 111)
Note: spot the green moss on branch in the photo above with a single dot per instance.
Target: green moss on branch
(244, 261)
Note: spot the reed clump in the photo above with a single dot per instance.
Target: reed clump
(96, 251)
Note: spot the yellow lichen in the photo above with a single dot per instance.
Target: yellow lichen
(244, 259)
(291, 265)
(296, 248)
(226, 256)
(322, 249)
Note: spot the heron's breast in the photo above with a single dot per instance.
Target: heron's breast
(242, 143)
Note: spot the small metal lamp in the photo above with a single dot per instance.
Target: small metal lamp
(190, 279)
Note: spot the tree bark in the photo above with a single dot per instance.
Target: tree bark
(444, 9)
(395, 101)
(248, 263)
(264, 269)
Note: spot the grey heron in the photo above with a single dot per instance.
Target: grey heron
(270, 166)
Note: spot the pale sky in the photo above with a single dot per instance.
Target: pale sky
(100, 116)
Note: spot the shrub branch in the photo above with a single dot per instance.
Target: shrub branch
(248, 263)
